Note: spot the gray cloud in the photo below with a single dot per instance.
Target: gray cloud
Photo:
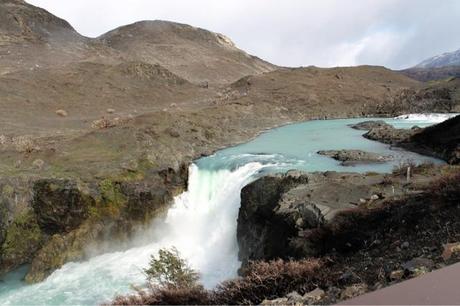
(392, 33)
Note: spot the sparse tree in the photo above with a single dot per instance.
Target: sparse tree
(169, 269)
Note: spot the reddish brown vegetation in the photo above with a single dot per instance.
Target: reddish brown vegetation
(261, 280)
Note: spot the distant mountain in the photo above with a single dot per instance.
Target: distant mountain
(430, 74)
(446, 65)
(33, 38)
(443, 60)
(195, 54)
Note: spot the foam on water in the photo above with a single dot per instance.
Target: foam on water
(201, 223)
(432, 118)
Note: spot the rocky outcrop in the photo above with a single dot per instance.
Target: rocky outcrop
(263, 231)
(353, 157)
(441, 140)
(60, 205)
(391, 135)
(277, 212)
(369, 125)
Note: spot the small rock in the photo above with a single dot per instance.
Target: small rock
(110, 110)
(378, 286)
(362, 201)
(294, 297)
(299, 222)
(3, 139)
(420, 271)
(280, 301)
(314, 295)
(397, 275)
(374, 197)
(62, 113)
(38, 164)
(450, 249)
(405, 245)
(417, 264)
(131, 165)
(18, 163)
(173, 132)
(353, 291)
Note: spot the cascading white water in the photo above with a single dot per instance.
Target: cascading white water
(427, 118)
(201, 224)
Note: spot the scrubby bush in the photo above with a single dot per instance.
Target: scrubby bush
(421, 168)
(170, 270)
(171, 282)
(447, 188)
(269, 280)
(261, 280)
(166, 296)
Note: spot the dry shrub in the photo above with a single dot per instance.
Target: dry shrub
(102, 123)
(261, 280)
(24, 144)
(169, 295)
(421, 168)
(105, 123)
(269, 280)
(447, 188)
(401, 169)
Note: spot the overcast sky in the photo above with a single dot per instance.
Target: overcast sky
(393, 33)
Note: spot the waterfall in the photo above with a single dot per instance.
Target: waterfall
(201, 224)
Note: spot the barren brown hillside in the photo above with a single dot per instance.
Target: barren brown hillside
(195, 54)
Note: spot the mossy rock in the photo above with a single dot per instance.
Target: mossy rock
(60, 205)
(23, 238)
(61, 249)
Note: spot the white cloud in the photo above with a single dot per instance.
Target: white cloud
(393, 33)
